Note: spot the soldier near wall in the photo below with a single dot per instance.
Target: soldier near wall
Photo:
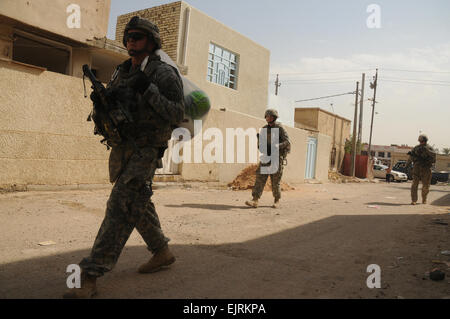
(283, 147)
(422, 157)
(156, 92)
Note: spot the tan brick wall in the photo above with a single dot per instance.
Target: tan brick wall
(166, 17)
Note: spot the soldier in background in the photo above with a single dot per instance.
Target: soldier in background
(284, 147)
(157, 92)
(423, 158)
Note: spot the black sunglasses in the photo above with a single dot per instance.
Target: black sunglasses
(136, 36)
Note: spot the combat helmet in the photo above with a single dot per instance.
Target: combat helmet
(423, 138)
(271, 112)
(144, 25)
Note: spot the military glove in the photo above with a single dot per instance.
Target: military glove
(139, 82)
(95, 98)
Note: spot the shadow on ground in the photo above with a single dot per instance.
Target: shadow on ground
(386, 204)
(443, 201)
(323, 259)
(208, 206)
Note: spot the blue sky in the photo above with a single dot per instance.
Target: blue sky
(321, 48)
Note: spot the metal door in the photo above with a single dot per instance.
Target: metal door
(311, 154)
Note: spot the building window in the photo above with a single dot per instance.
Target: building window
(222, 66)
(372, 153)
(41, 52)
(389, 155)
(380, 154)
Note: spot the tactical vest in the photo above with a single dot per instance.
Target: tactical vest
(283, 152)
(148, 128)
(421, 156)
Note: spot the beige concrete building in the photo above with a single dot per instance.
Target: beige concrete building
(44, 136)
(329, 124)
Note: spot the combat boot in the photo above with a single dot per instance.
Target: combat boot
(87, 290)
(252, 203)
(159, 260)
(276, 204)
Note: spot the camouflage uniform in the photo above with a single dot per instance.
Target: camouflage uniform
(423, 158)
(261, 179)
(158, 109)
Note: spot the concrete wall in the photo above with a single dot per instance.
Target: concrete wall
(253, 69)
(6, 47)
(51, 15)
(336, 127)
(45, 139)
(308, 118)
(225, 173)
(44, 136)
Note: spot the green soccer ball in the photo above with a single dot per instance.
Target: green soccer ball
(197, 104)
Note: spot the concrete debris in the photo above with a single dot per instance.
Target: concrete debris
(338, 178)
(247, 177)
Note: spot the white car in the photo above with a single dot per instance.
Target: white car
(379, 171)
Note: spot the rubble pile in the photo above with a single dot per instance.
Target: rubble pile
(246, 180)
(338, 178)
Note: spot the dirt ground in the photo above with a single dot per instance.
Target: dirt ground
(317, 245)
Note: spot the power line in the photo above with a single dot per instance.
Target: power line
(309, 73)
(312, 80)
(415, 71)
(420, 80)
(411, 82)
(324, 97)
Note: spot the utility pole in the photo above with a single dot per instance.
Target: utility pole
(374, 87)
(361, 105)
(277, 85)
(355, 123)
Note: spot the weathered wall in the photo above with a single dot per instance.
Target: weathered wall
(6, 46)
(51, 15)
(253, 69)
(166, 17)
(44, 136)
(323, 157)
(336, 127)
(307, 117)
(225, 173)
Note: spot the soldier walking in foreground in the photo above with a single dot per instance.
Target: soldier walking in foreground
(423, 158)
(284, 147)
(156, 92)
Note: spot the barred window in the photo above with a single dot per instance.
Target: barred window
(222, 66)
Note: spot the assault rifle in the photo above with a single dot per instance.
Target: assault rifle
(109, 114)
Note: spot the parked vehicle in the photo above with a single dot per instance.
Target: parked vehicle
(435, 177)
(380, 171)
